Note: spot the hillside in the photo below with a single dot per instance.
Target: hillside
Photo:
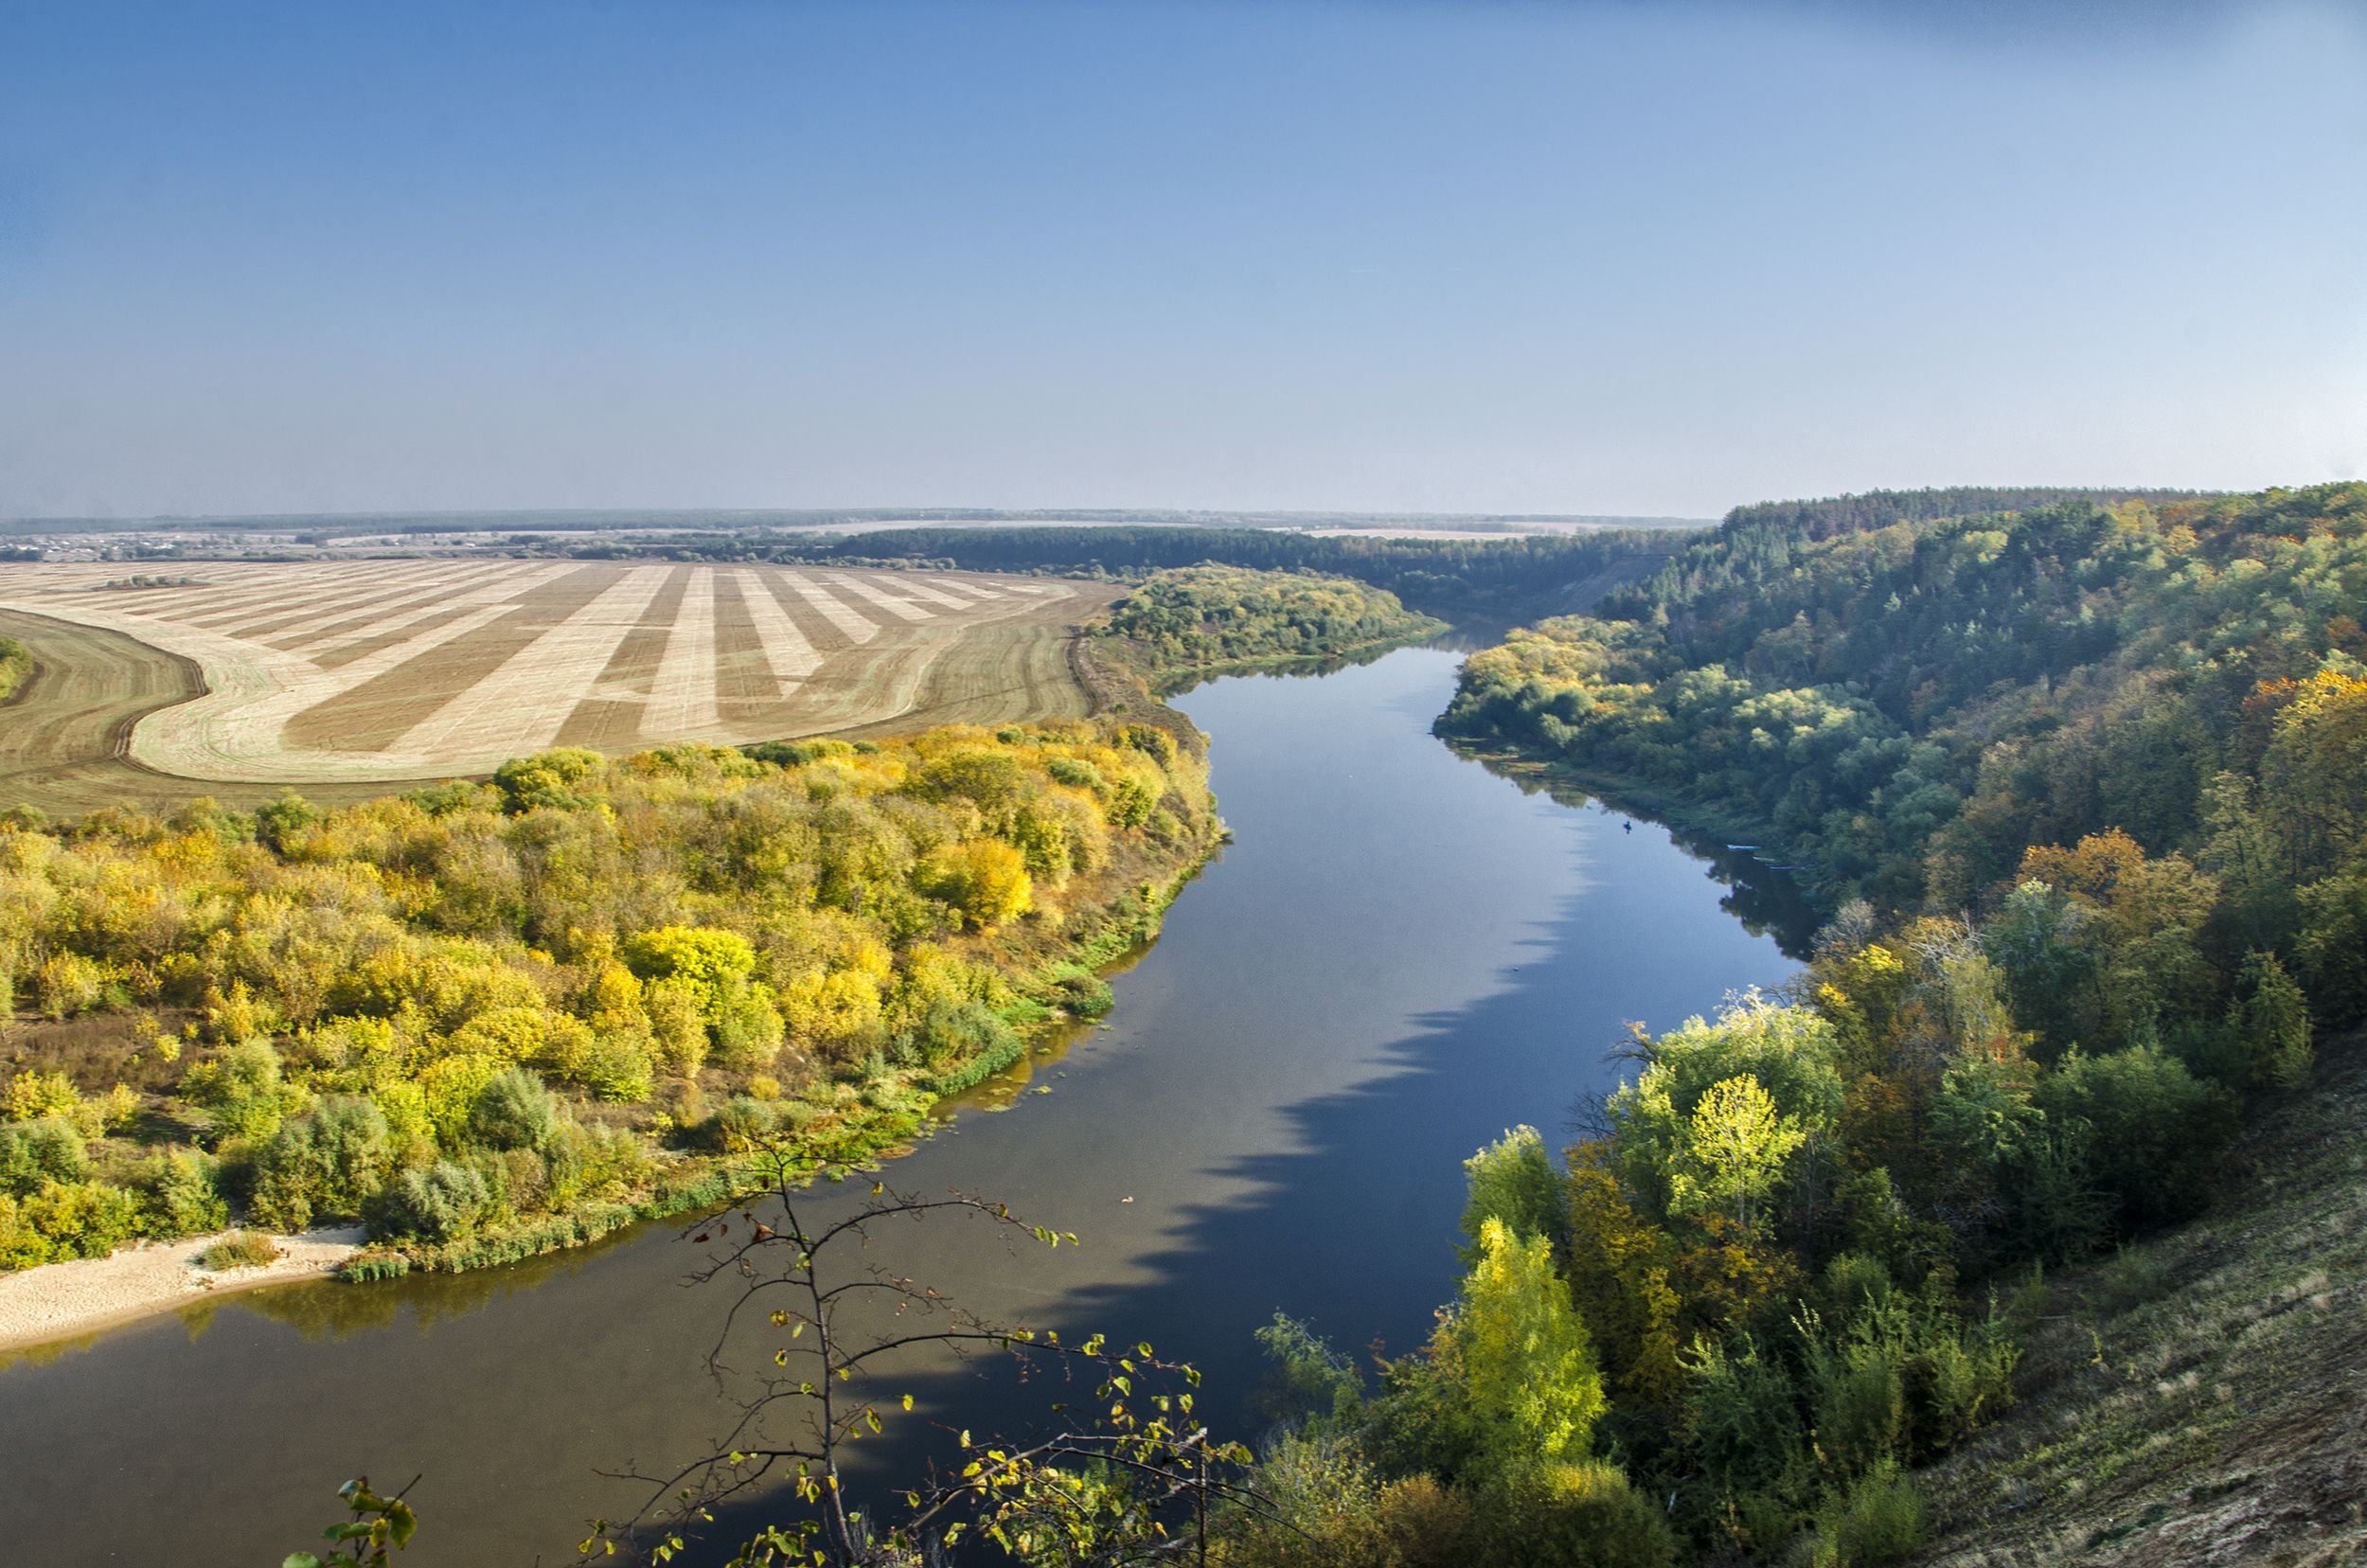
(2084, 790)
(2201, 1396)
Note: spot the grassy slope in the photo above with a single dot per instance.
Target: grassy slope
(2201, 1397)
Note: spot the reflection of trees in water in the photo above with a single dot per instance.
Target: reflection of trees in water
(328, 1309)
(1291, 666)
(1767, 903)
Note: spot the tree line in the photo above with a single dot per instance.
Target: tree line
(1197, 617)
(1442, 577)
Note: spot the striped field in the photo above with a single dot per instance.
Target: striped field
(416, 668)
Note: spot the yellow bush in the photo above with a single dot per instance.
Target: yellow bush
(985, 881)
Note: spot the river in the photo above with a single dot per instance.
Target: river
(1401, 955)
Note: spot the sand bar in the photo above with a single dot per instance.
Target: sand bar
(61, 1300)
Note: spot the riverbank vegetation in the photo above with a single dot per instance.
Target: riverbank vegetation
(1197, 619)
(2080, 786)
(483, 1018)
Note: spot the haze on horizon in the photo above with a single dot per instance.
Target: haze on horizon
(1389, 256)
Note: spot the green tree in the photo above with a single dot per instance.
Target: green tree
(2272, 1020)
(1734, 1153)
(1512, 1180)
(1525, 1360)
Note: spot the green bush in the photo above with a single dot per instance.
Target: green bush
(239, 1250)
(746, 1026)
(1879, 1519)
(242, 1087)
(515, 1110)
(1581, 1515)
(1085, 995)
(35, 1153)
(444, 1202)
(743, 1124)
(184, 1195)
(80, 1218)
(957, 1031)
(327, 1164)
(2155, 1130)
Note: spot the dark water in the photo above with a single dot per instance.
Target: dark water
(1400, 955)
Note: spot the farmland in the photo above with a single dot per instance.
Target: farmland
(374, 672)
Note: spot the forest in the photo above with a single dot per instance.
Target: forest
(1200, 618)
(1440, 577)
(483, 1017)
(2081, 786)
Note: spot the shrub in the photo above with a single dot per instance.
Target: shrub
(514, 1111)
(242, 1087)
(82, 1219)
(1085, 995)
(1511, 1180)
(985, 881)
(745, 1123)
(1879, 1519)
(590, 1159)
(678, 1024)
(69, 984)
(327, 1164)
(618, 1068)
(2273, 1024)
(1320, 1510)
(32, 1095)
(747, 1026)
(184, 1195)
(2155, 1128)
(1582, 1514)
(441, 1202)
(1426, 1524)
(239, 1250)
(32, 1153)
(957, 1031)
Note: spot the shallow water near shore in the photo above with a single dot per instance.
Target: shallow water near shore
(1401, 955)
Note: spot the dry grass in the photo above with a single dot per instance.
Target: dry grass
(373, 674)
(2201, 1397)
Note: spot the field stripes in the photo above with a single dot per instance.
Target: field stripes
(856, 628)
(683, 697)
(787, 653)
(903, 609)
(526, 701)
(258, 622)
(926, 594)
(238, 595)
(411, 669)
(373, 631)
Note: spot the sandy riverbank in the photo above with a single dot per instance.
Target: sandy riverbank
(61, 1300)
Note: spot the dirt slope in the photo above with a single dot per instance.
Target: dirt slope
(2201, 1398)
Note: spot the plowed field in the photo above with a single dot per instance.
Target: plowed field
(362, 672)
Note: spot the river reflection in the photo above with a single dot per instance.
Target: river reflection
(1401, 955)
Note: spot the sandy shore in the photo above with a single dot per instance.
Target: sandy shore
(59, 1300)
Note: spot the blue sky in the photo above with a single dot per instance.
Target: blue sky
(1531, 257)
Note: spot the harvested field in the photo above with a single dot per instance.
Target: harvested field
(379, 672)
